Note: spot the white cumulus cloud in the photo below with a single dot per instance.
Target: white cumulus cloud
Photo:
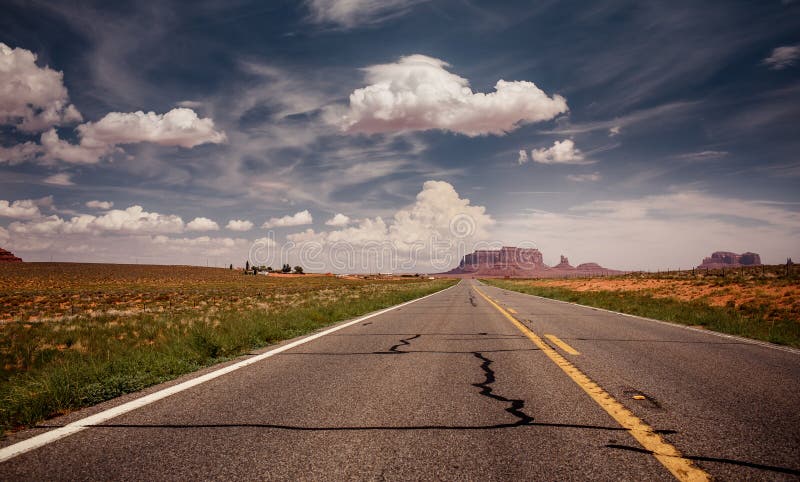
(60, 179)
(783, 57)
(562, 152)
(178, 127)
(21, 209)
(56, 149)
(522, 157)
(338, 220)
(417, 93)
(32, 98)
(19, 152)
(133, 220)
(297, 219)
(202, 224)
(424, 235)
(100, 204)
(239, 225)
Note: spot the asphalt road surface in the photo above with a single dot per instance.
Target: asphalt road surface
(450, 387)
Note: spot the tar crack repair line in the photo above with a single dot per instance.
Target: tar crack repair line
(486, 390)
(403, 341)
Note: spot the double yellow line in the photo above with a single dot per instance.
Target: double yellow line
(681, 467)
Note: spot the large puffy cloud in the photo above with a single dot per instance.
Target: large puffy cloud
(32, 98)
(202, 224)
(439, 212)
(666, 231)
(178, 127)
(561, 152)
(417, 93)
(297, 219)
(351, 13)
(25, 208)
(431, 233)
(21, 209)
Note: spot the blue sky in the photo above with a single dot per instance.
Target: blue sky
(640, 135)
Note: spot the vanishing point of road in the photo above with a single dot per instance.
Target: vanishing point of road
(471, 383)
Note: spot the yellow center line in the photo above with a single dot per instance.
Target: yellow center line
(682, 468)
(512, 310)
(562, 344)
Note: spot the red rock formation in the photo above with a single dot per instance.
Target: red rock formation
(505, 262)
(6, 257)
(520, 262)
(726, 259)
(564, 264)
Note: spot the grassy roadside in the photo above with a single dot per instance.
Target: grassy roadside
(55, 364)
(760, 322)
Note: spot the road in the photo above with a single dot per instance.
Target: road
(450, 387)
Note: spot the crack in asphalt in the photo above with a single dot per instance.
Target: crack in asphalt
(394, 349)
(517, 405)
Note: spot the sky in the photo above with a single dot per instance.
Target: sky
(396, 135)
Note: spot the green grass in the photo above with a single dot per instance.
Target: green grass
(747, 321)
(53, 367)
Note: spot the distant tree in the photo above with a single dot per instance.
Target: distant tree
(269, 269)
(298, 270)
(286, 268)
(231, 266)
(247, 265)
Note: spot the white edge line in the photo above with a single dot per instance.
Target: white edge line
(37, 441)
(750, 341)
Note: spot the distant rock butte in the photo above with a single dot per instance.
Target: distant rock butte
(726, 259)
(520, 262)
(7, 257)
(564, 264)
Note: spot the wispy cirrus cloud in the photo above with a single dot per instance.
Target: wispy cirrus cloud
(349, 14)
(783, 57)
(677, 228)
